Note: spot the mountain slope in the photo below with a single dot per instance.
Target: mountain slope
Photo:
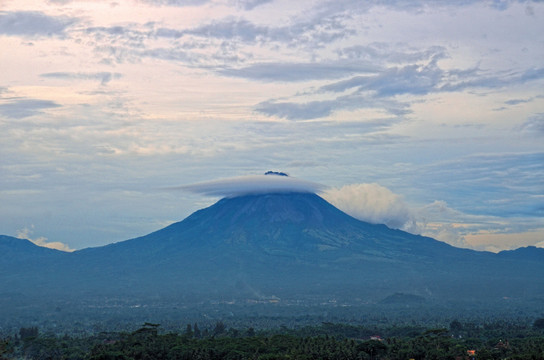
(295, 244)
(292, 245)
(24, 254)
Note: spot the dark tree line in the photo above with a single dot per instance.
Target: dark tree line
(496, 340)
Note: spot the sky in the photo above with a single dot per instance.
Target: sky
(427, 116)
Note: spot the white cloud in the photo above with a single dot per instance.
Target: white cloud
(42, 241)
(372, 203)
(377, 204)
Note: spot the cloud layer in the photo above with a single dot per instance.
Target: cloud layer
(255, 184)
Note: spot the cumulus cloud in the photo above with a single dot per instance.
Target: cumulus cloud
(255, 184)
(371, 203)
(376, 204)
(42, 241)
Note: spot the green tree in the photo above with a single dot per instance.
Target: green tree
(539, 324)
(196, 331)
(189, 331)
(219, 328)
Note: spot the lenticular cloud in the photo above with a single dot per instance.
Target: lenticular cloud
(256, 184)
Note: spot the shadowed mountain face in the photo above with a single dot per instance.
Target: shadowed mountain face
(290, 245)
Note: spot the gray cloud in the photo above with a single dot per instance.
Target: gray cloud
(387, 53)
(297, 111)
(241, 4)
(376, 88)
(176, 2)
(21, 108)
(256, 184)
(322, 108)
(411, 79)
(311, 34)
(500, 80)
(251, 4)
(534, 125)
(412, 5)
(231, 29)
(103, 77)
(299, 71)
(517, 101)
(33, 23)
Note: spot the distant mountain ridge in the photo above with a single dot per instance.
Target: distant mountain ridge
(291, 245)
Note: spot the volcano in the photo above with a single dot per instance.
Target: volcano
(287, 245)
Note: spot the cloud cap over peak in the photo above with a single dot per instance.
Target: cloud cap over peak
(252, 185)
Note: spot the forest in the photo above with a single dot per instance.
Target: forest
(458, 340)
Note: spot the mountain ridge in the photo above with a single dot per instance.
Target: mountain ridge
(285, 244)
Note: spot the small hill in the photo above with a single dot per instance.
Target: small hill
(403, 299)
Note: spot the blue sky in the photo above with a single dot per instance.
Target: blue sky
(425, 115)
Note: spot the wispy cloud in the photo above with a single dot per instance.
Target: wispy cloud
(251, 4)
(33, 24)
(22, 108)
(308, 34)
(323, 108)
(293, 72)
(534, 125)
(176, 2)
(103, 77)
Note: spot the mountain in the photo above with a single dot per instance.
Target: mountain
(286, 245)
(528, 253)
(15, 249)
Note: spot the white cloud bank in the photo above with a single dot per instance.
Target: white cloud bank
(372, 203)
(255, 184)
(376, 204)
